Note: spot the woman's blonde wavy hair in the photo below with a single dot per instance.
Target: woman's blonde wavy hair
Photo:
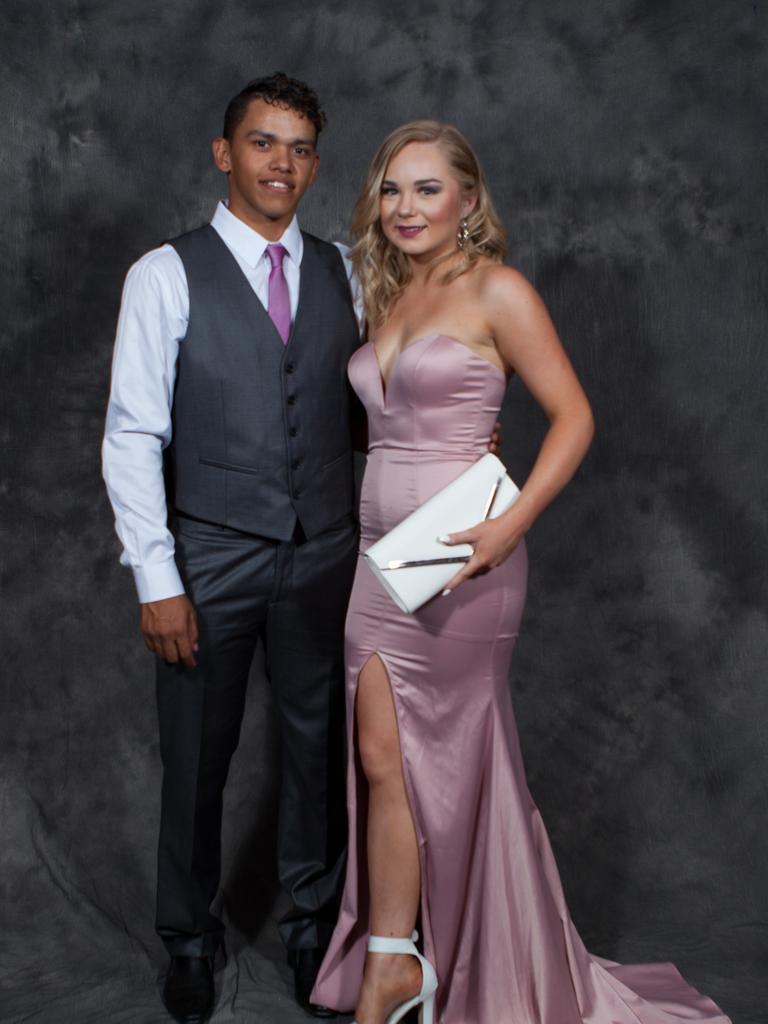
(381, 268)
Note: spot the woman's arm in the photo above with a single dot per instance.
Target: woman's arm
(527, 341)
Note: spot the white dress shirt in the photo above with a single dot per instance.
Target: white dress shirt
(154, 314)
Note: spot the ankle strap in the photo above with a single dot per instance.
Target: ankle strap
(388, 944)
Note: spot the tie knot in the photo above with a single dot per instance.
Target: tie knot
(276, 253)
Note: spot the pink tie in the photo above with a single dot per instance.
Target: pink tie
(279, 307)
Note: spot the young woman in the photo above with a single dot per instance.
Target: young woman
(442, 826)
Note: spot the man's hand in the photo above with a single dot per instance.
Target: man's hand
(170, 629)
(495, 442)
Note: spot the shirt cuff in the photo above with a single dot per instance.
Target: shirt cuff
(157, 581)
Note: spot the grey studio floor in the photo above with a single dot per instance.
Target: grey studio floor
(78, 944)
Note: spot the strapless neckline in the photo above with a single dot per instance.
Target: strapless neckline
(385, 385)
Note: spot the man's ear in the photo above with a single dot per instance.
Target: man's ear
(221, 155)
(316, 164)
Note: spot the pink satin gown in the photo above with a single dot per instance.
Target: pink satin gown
(493, 915)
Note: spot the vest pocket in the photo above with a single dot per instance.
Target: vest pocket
(335, 486)
(209, 422)
(336, 459)
(233, 467)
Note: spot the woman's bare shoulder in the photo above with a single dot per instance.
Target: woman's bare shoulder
(498, 281)
(507, 293)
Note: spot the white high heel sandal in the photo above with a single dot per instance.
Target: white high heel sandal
(426, 998)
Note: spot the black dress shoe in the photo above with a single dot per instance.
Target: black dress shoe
(188, 990)
(306, 964)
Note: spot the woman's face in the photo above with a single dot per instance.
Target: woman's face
(421, 201)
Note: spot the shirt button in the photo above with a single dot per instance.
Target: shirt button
(293, 431)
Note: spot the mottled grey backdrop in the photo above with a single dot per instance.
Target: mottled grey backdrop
(625, 146)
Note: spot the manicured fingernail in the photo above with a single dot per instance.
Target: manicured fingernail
(444, 539)
(445, 593)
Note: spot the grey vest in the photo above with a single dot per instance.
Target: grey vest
(261, 431)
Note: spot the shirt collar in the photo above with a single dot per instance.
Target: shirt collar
(249, 244)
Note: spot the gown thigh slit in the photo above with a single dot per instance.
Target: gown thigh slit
(495, 921)
(360, 782)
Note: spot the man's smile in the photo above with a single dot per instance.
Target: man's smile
(275, 185)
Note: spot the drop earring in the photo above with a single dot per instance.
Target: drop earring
(462, 235)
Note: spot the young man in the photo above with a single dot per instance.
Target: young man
(231, 355)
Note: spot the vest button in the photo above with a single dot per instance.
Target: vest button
(296, 463)
(289, 367)
(291, 399)
(297, 494)
(293, 431)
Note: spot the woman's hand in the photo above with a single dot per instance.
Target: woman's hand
(493, 542)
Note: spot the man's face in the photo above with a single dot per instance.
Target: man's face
(271, 162)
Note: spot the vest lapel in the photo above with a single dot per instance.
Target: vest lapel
(306, 285)
(238, 285)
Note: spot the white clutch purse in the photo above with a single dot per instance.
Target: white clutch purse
(410, 562)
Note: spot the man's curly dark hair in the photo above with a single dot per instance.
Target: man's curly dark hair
(279, 90)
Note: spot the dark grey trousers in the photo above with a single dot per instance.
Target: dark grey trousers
(291, 595)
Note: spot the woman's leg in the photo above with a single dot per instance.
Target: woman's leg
(393, 855)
